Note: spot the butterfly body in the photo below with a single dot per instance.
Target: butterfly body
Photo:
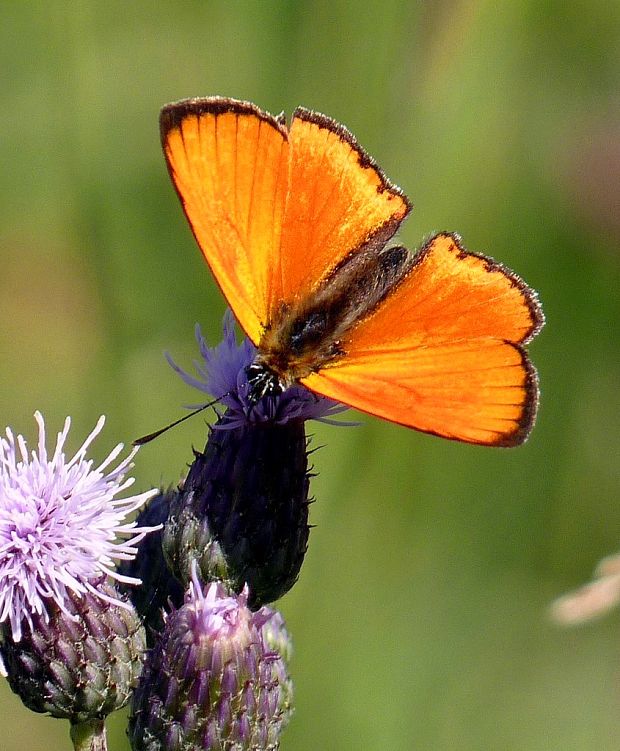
(310, 333)
(296, 224)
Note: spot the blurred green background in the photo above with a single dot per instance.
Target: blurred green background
(420, 615)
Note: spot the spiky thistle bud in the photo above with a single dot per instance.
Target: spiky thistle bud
(242, 513)
(217, 679)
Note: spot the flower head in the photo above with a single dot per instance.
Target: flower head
(80, 664)
(59, 524)
(242, 513)
(222, 373)
(217, 679)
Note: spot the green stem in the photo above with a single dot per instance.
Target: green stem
(89, 736)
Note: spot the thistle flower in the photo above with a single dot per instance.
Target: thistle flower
(59, 525)
(222, 374)
(72, 645)
(216, 681)
(242, 512)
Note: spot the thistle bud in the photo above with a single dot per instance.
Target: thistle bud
(243, 511)
(215, 681)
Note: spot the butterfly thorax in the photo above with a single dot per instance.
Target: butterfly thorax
(309, 334)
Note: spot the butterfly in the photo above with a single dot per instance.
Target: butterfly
(296, 223)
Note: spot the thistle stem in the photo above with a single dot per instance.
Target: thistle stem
(89, 736)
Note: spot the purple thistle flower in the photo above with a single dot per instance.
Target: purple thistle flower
(59, 526)
(222, 373)
(78, 665)
(242, 513)
(217, 679)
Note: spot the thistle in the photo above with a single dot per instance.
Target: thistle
(72, 645)
(217, 680)
(242, 513)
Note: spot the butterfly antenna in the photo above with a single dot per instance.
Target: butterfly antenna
(151, 436)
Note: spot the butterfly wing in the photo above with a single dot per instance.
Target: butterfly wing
(443, 353)
(338, 199)
(229, 163)
(273, 211)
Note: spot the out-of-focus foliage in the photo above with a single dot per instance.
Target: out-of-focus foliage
(420, 616)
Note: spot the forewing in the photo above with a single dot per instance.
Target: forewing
(338, 199)
(229, 163)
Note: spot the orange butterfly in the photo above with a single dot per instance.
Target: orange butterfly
(295, 224)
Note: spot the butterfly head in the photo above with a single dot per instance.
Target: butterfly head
(262, 381)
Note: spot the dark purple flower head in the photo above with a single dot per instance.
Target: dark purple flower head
(59, 525)
(242, 513)
(222, 373)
